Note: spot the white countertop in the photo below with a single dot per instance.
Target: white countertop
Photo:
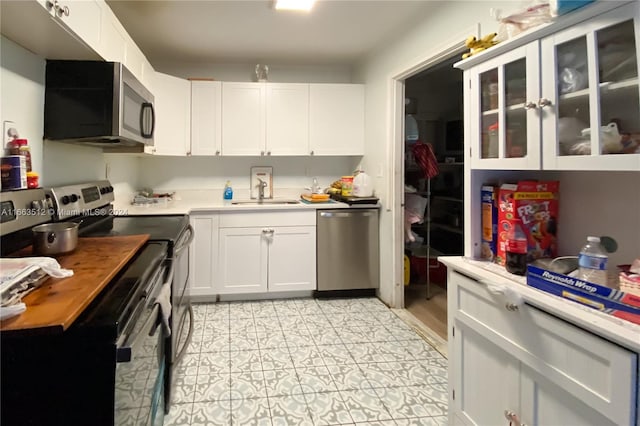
(193, 201)
(622, 332)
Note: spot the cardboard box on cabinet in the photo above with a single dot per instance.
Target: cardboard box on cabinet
(608, 300)
(489, 247)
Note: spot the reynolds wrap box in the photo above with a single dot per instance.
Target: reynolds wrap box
(536, 205)
(610, 301)
(489, 247)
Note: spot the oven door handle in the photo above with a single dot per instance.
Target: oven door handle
(186, 244)
(127, 344)
(187, 341)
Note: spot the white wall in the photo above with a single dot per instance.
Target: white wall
(246, 72)
(600, 203)
(22, 97)
(22, 77)
(447, 22)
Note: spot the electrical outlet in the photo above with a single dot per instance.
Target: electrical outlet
(380, 170)
(107, 170)
(6, 125)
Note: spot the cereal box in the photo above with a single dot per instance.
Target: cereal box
(489, 247)
(536, 205)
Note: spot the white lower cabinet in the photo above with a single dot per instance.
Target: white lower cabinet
(525, 366)
(203, 255)
(266, 252)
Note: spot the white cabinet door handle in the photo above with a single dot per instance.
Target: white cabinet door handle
(513, 418)
(544, 102)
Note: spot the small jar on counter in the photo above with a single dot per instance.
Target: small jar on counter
(347, 186)
(32, 180)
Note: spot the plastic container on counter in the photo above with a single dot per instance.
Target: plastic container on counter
(347, 186)
(21, 147)
(32, 180)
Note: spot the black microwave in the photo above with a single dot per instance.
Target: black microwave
(97, 103)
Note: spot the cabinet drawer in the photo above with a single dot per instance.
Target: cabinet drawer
(598, 372)
(273, 218)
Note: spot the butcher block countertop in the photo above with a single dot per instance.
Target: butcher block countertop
(57, 303)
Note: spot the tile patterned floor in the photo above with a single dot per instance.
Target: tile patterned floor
(307, 362)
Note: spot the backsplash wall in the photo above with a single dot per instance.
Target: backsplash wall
(176, 173)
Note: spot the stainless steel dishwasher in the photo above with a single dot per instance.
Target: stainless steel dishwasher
(348, 249)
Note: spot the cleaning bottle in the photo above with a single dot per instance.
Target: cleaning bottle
(227, 195)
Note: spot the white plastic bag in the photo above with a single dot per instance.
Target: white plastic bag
(532, 14)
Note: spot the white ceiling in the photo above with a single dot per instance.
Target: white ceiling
(335, 32)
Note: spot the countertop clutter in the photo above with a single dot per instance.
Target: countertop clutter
(188, 201)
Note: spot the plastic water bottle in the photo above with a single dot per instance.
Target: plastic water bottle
(592, 262)
(227, 195)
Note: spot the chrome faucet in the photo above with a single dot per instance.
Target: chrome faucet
(261, 186)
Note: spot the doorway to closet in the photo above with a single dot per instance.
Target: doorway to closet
(433, 185)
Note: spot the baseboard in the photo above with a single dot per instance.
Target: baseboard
(337, 294)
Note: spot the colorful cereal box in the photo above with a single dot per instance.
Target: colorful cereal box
(13, 172)
(536, 205)
(489, 220)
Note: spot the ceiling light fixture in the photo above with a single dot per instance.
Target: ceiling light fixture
(294, 4)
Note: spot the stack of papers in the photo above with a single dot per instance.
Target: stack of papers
(19, 277)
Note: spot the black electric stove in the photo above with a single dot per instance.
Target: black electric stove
(93, 201)
(83, 375)
(159, 228)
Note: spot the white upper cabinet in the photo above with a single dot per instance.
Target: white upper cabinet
(82, 17)
(206, 118)
(506, 132)
(113, 40)
(590, 78)
(569, 100)
(287, 119)
(172, 104)
(336, 119)
(265, 119)
(54, 29)
(243, 118)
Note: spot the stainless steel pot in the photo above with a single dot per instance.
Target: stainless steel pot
(55, 238)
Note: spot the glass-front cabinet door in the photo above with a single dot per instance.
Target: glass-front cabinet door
(591, 117)
(506, 133)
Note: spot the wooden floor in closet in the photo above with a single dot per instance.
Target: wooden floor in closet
(432, 312)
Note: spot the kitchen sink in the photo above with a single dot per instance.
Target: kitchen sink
(269, 201)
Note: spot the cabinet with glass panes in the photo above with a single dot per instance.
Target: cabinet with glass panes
(567, 101)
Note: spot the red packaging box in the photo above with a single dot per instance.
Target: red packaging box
(536, 205)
